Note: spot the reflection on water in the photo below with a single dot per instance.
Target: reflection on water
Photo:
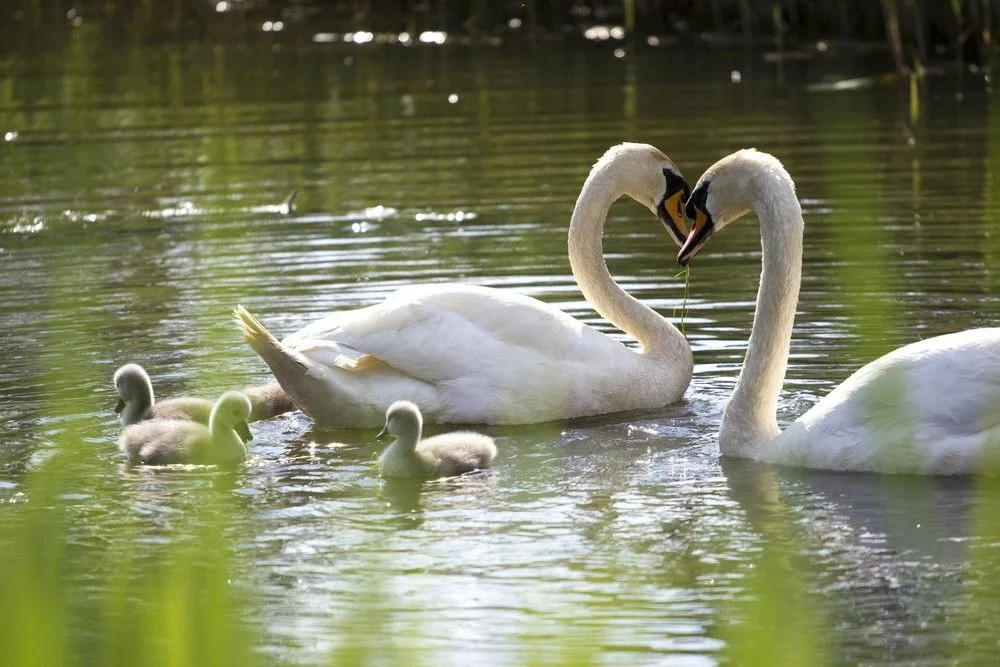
(144, 195)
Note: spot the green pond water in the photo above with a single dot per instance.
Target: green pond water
(140, 191)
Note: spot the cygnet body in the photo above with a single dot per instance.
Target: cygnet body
(443, 455)
(136, 402)
(165, 441)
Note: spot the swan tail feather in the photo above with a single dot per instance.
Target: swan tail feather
(282, 360)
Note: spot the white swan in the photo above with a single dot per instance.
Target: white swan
(470, 354)
(136, 401)
(930, 407)
(163, 441)
(443, 455)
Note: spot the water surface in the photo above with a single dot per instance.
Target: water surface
(140, 192)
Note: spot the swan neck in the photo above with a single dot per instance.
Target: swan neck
(657, 336)
(138, 405)
(750, 419)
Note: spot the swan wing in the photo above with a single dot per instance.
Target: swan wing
(438, 333)
(931, 406)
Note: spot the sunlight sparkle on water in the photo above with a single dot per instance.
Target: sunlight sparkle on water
(359, 37)
(433, 37)
(602, 33)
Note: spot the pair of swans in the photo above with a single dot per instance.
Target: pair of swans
(473, 354)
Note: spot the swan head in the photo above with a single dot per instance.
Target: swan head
(648, 176)
(132, 383)
(402, 419)
(728, 190)
(232, 410)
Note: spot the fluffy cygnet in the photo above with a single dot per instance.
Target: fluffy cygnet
(163, 441)
(443, 455)
(136, 402)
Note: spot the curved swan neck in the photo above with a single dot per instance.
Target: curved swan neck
(138, 403)
(407, 437)
(224, 436)
(750, 418)
(657, 336)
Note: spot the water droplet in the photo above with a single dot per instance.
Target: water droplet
(653, 40)
(222, 6)
(514, 23)
(619, 53)
(735, 76)
(617, 32)
(405, 39)
(453, 99)
(11, 135)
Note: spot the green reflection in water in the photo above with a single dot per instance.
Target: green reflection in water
(151, 567)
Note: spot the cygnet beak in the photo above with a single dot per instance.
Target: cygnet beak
(243, 430)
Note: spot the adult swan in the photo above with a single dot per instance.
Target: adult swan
(468, 354)
(930, 407)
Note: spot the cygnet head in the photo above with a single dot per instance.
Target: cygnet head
(648, 176)
(132, 383)
(232, 410)
(728, 190)
(403, 420)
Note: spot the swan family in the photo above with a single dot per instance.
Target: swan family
(467, 354)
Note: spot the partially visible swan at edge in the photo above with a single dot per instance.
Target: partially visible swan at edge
(930, 407)
(163, 441)
(469, 354)
(136, 401)
(443, 455)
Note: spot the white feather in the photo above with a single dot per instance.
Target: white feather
(469, 354)
(931, 407)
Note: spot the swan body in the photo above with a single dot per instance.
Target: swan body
(470, 354)
(165, 441)
(930, 407)
(443, 455)
(136, 402)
